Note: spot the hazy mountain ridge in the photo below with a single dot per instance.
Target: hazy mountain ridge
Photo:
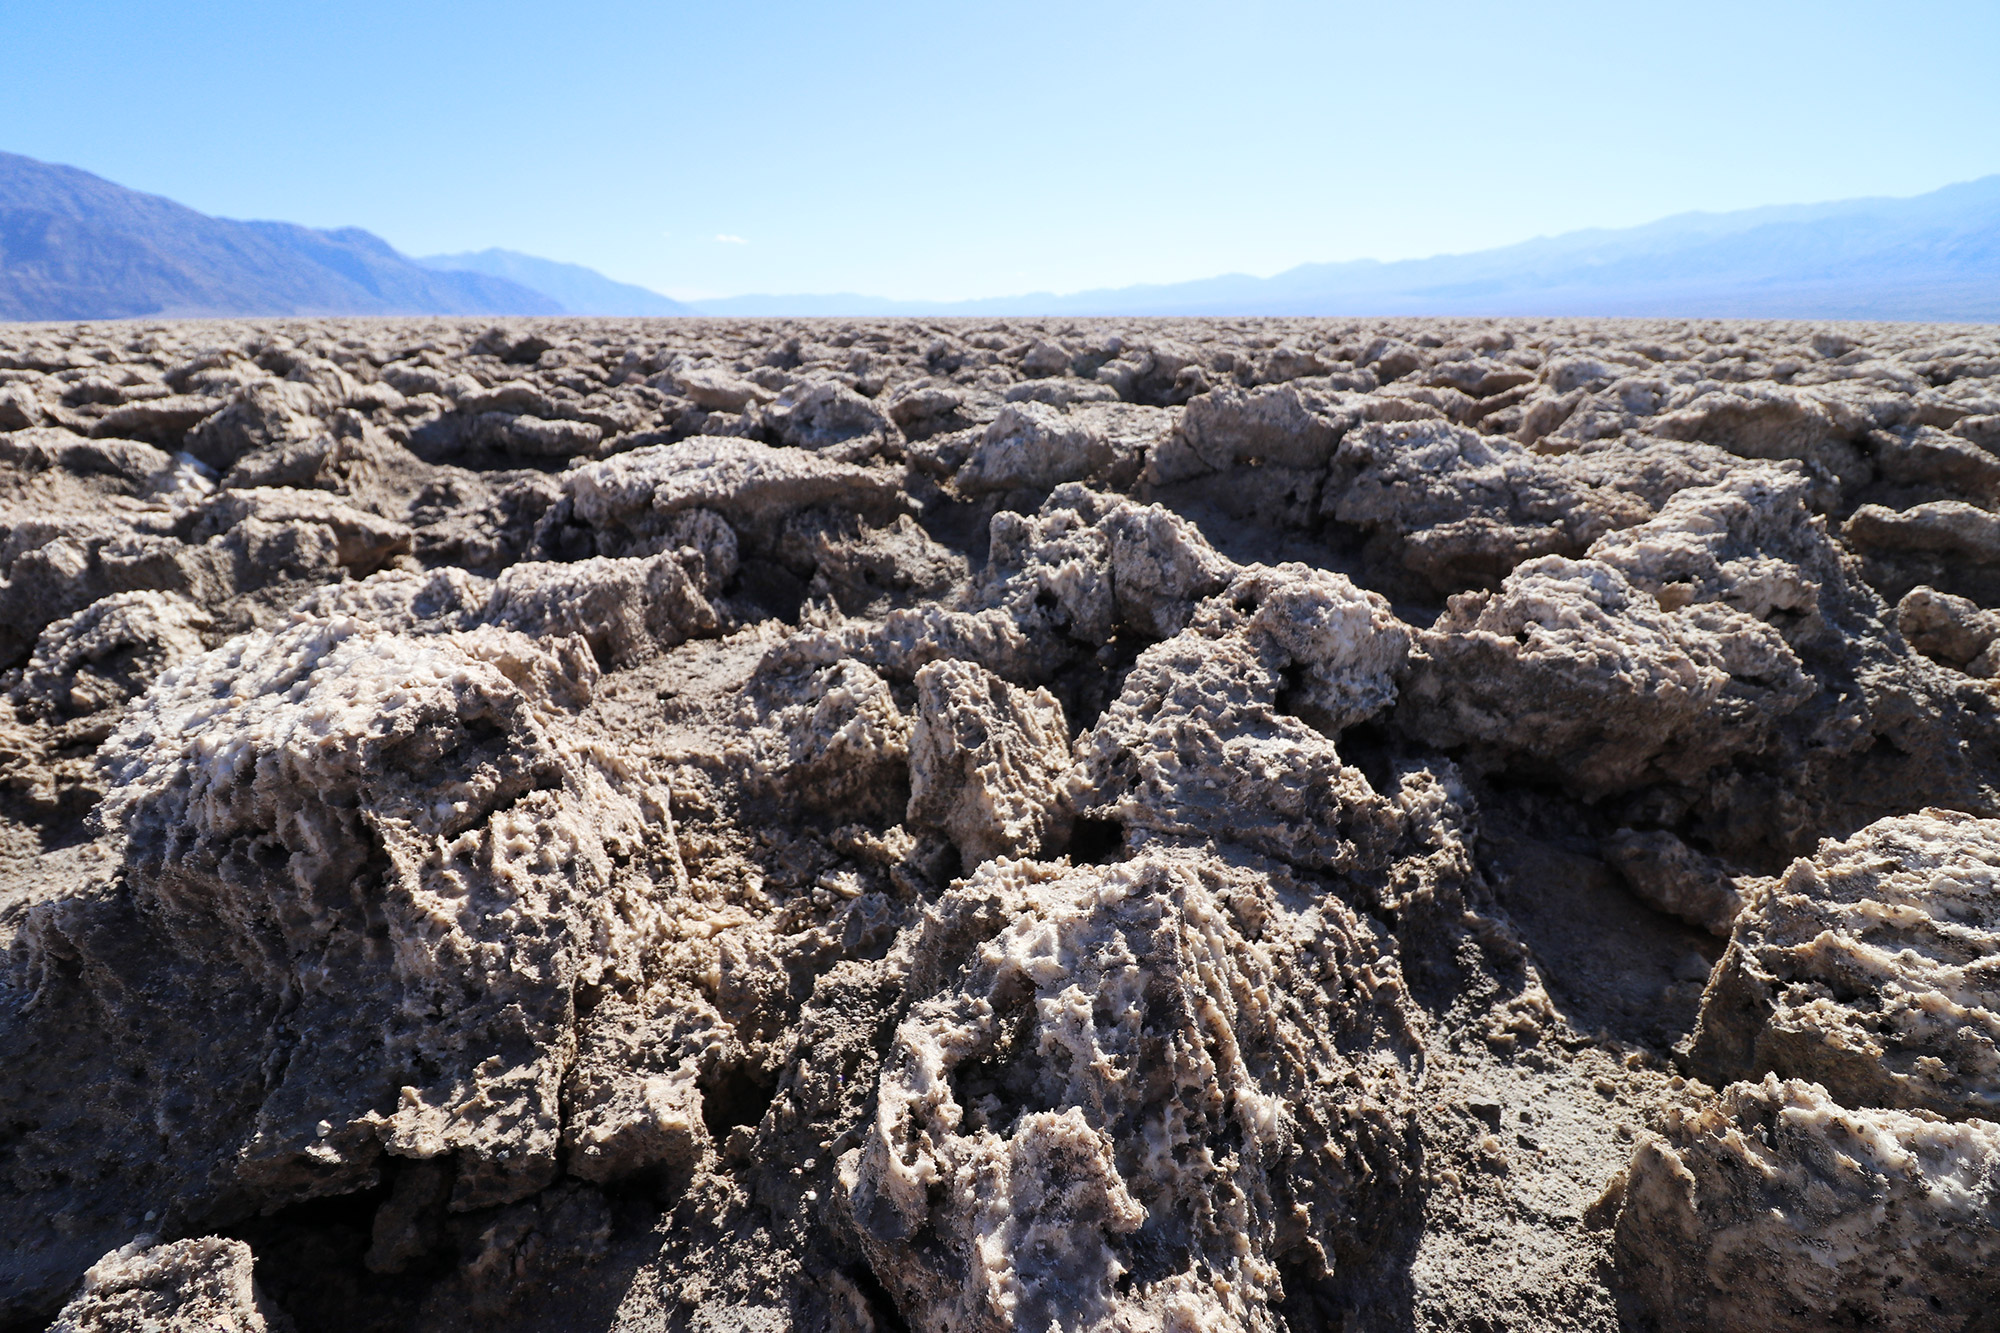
(1935, 256)
(579, 290)
(76, 246)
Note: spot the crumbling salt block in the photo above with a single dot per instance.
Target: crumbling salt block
(109, 652)
(1158, 1094)
(1676, 878)
(1227, 730)
(630, 497)
(1778, 1209)
(1955, 631)
(626, 609)
(393, 863)
(1868, 969)
(987, 763)
(205, 1285)
(832, 738)
(1034, 445)
(1573, 671)
(1057, 584)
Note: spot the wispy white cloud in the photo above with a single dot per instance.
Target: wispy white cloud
(727, 239)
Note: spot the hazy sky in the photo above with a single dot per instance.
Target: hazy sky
(961, 148)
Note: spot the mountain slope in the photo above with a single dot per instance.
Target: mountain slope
(1932, 257)
(578, 290)
(76, 246)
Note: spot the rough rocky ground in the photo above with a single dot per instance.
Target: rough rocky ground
(945, 826)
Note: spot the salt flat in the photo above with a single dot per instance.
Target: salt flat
(591, 824)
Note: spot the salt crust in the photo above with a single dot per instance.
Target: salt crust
(1869, 970)
(1778, 1208)
(1182, 1017)
(406, 911)
(394, 860)
(189, 1286)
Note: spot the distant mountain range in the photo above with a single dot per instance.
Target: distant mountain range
(75, 246)
(578, 290)
(1932, 257)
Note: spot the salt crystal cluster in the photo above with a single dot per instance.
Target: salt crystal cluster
(1023, 825)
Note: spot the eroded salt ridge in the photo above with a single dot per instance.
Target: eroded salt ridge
(1151, 826)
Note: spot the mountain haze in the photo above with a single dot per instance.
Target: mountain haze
(76, 246)
(1932, 257)
(579, 290)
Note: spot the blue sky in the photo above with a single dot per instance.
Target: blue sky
(965, 149)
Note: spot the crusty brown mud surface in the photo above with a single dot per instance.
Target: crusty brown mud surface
(943, 826)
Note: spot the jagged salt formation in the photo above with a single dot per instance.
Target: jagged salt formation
(1859, 1173)
(1179, 1178)
(1870, 970)
(190, 1284)
(391, 864)
(815, 826)
(987, 763)
(1779, 1208)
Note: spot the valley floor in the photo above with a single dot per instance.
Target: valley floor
(951, 825)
